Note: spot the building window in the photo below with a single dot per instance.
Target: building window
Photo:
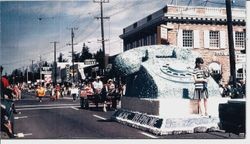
(214, 38)
(187, 38)
(239, 39)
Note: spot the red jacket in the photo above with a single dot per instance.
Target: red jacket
(5, 82)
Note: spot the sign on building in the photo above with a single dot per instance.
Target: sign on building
(46, 70)
(240, 58)
(163, 32)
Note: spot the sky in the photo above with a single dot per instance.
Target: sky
(25, 37)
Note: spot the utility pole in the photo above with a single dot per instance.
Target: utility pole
(40, 66)
(27, 74)
(72, 44)
(231, 43)
(102, 28)
(32, 70)
(55, 64)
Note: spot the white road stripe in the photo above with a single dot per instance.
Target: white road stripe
(20, 135)
(26, 106)
(97, 116)
(148, 135)
(43, 108)
(74, 108)
(22, 117)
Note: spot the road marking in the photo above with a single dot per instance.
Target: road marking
(20, 135)
(22, 117)
(67, 98)
(148, 135)
(97, 116)
(26, 106)
(43, 108)
(74, 108)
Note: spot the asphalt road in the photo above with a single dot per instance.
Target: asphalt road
(63, 119)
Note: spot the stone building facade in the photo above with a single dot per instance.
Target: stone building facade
(202, 29)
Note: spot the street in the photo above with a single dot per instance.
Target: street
(63, 119)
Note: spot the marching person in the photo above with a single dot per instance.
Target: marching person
(98, 86)
(200, 82)
(57, 91)
(86, 91)
(111, 93)
(74, 92)
(40, 92)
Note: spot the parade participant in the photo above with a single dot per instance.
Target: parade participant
(111, 93)
(98, 86)
(74, 92)
(200, 82)
(17, 92)
(57, 91)
(40, 92)
(86, 91)
(63, 91)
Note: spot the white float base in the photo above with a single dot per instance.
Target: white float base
(168, 116)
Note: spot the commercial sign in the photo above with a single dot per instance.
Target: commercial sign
(46, 70)
(139, 118)
(163, 32)
(240, 58)
(221, 53)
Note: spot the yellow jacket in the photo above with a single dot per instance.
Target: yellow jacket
(40, 92)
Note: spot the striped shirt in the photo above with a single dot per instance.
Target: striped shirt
(200, 74)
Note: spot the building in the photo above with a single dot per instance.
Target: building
(65, 70)
(202, 29)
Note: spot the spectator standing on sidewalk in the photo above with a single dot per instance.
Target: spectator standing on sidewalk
(7, 106)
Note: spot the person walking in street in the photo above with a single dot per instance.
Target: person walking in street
(58, 93)
(86, 91)
(200, 82)
(98, 86)
(111, 94)
(40, 92)
(74, 92)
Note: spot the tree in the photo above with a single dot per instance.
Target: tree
(61, 59)
(99, 58)
(76, 57)
(85, 54)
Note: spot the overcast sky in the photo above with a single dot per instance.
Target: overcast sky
(24, 37)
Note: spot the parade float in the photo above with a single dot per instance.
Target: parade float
(159, 91)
